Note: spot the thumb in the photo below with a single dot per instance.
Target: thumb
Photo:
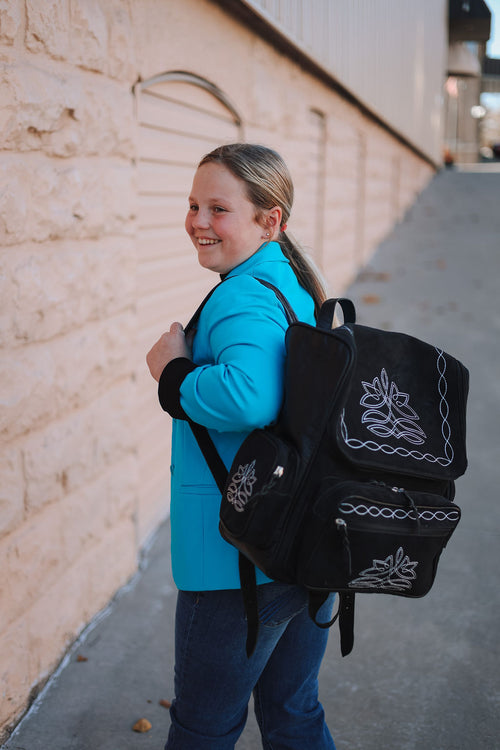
(176, 328)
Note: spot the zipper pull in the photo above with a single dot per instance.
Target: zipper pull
(342, 528)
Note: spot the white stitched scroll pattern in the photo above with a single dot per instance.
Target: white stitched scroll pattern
(399, 514)
(400, 450)
(395, 573)
(387, 411)
(239, 491)
(444, 408)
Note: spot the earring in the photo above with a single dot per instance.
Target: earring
(267, 234)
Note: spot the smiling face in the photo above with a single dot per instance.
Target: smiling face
(221, 221)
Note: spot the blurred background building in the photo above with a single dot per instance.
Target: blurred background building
(106, 106)
(471, 117)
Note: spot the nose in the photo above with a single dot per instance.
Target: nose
(201, 219)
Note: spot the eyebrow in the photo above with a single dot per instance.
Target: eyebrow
(226, 201)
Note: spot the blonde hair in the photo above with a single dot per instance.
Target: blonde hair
(268, 183)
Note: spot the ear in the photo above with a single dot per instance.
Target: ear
(272, 222)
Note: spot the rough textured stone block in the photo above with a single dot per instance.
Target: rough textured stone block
(121, 59)
(17, 673)
(91, 512)
(46, 200)
(48, 27)
(33, 555)
(11, 14)
(44, 382)
(53, 111)
(45, 290)
(83, 589)
(89, 34)
(11, 488)
(70, 452)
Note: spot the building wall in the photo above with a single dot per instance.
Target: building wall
(358, 41)
(94, 171)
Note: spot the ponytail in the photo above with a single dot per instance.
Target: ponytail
(307, 275)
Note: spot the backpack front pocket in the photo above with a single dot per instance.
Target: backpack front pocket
(372, 538)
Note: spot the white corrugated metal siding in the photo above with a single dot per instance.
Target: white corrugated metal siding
(390, 55)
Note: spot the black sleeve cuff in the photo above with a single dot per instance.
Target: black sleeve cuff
(170, 383)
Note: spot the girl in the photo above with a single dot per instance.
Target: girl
(229, 378)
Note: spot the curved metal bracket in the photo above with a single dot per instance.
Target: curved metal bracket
(183, 76)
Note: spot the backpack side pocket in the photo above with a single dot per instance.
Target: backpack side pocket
(257, 496)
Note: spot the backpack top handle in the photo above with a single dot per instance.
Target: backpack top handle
(327, 312)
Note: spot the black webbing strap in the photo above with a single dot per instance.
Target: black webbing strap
(344, 614)
(327, 312)
(210, 454)
(220, 472)
(249, 592)
(291, 317)
(196, 315)
(346, 622)
(248, 580)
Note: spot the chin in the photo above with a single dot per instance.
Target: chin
(210, 266)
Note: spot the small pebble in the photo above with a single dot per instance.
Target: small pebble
(143, 725)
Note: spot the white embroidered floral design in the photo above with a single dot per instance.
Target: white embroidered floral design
(239, 491)
(388, 413)
(395, 573)
(400, 450)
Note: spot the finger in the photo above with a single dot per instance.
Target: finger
(176, 328)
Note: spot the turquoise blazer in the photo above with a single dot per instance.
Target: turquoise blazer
(233, 385)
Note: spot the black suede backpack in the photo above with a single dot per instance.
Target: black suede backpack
(351, 490)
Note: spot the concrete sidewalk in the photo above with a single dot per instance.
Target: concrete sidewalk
(424, 674)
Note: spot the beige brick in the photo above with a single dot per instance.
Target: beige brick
(106, 573)
(121, 59)
(92, 34)
(89, 34)
(11, 15)
(107, 121)
(14, 201)
(20, 392)
(42, 382)
(48, 26)
(16, 674)
(45, 290)
(90, 513)
(53, 110)
(37, 108)
(54, 607)
(34, 556)
(11, 489)
(72, 451)
(46, 200)
(66, 606)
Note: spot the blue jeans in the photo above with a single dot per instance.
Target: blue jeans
(214, 679)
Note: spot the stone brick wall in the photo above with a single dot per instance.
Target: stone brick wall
(68, 491)
(75, 505)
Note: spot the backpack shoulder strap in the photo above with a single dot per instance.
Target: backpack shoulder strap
(197, 314)
(220, 472)
(205, 442)
(291, 317)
